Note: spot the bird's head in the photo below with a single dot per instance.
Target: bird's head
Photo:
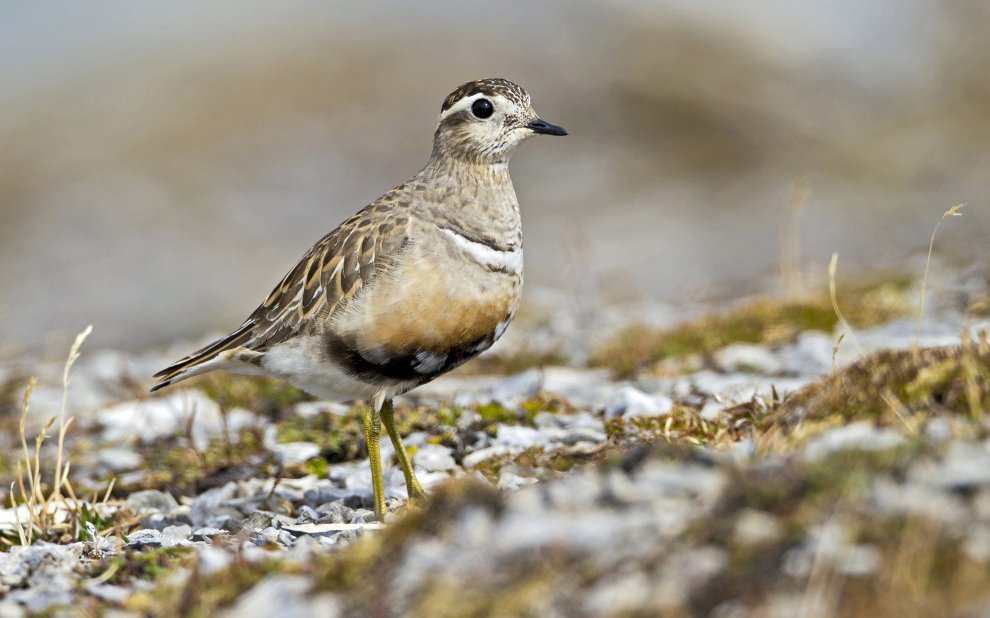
(483, 121)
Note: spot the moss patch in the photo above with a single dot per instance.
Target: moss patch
(265, 396)
(765, 321)
(889, 384)
(174, 465)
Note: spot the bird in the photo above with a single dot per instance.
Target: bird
(416, 283)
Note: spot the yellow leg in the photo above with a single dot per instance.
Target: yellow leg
(412, 483)
(372, 433)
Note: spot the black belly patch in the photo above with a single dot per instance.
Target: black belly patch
(380, 364)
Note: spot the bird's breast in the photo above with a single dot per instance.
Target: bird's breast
(443, 303)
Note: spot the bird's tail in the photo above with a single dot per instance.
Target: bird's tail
(202, 360)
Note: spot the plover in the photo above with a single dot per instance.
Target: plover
(416, 283)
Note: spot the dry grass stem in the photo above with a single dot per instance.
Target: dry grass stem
(955, 211)
(843, 322)
(46, 513)
(63, 425)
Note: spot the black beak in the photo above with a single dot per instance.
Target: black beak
(544, 127)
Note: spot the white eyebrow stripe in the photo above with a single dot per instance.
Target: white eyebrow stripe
(462, 104)
(499, 101)
(509, 261)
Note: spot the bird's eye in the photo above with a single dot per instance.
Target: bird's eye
(482, 108)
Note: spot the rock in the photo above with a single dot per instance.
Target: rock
(286, 596)
(157, 521)
(10, 609)
(619, 594)
(519, 437)
(213, 559)
(150, 419)
(469, 390)
(207, 534)
(175, 535)
(748, 358)
(324, 495)
(734, 388)
(272, 536)
(755, 528)
(861, 435)
(150, 501)
(511, 481)
(630, 401)
(291, 453)
(918, 500)
(571, 429)
(118, 459)
(473, 459)
(207, 504)
(144, 538)
(42, 575)
(966, 466)
(109, 593)
(330, 529)
(434, 458)
(584, 388)
(810, 355)
(258, 520)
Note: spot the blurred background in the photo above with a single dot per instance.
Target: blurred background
(163, 164)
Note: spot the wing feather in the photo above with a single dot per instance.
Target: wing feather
(330, 274)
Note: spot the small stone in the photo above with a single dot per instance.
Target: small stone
(307, 513)
(150, 500)
(286, 596)
(577, 429)
(467, 420)
(938, 430)
(118, 459)
(108, 593)
(144, 538)
(858, 560)
(334, 513)
(292, 453)
(225, 521)
(519, 437)
(267, 536)
(207, 534)
(511, 481)
(213, 559)
(158, 521)
(631, 401)
(330, 529)
(209, 502)
(810, 355)
(861, 436)
(747, 358)
(11, 609)
(473, 459)
(173, 535)
(966, 466)
(754, 528)
(434, 458)
(150, 419)
(324, 495)
(258, 520)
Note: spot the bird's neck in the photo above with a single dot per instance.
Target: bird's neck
(476, 198)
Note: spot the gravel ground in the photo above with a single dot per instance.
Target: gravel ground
(754, 479)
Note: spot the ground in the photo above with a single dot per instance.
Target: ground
(761, 458)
